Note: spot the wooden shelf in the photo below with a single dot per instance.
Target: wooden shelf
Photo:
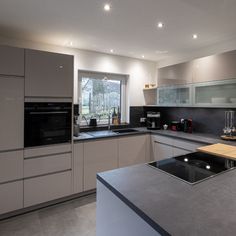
(152, 88)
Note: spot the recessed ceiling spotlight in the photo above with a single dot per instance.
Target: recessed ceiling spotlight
(160, 25)
(71, 43)
(195, 36)
(107, 7)
(143, 56)
(111, 50)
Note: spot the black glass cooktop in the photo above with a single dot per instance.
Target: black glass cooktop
(194, 167)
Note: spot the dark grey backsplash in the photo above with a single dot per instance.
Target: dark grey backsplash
(205, 120)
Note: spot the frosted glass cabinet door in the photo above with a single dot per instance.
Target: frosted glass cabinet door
(174, 96)
(215, 94)
(12, 113)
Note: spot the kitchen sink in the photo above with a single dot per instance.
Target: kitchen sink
(124, 131)
(102, 133)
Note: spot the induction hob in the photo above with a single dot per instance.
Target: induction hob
(194, 167)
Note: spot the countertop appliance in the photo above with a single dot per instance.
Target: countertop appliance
(194, 167)
(47, 123)
(153, 120)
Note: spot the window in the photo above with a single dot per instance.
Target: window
(100, 94)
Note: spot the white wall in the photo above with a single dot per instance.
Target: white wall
(139, 71)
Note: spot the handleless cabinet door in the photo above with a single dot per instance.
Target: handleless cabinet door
(12, 113)
(11, 166)
(11, 61)
(132, 150)
(11, 196)
(48, 74)
(99, 156)
(78, 170)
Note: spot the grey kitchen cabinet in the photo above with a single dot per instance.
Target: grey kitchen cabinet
(12, 113)
(99, 156)
(47, 164)
(132, 150)
(46, 188)
(11, 196)
(78, 167)
(11, 61)
(215, 67)
(166, 147)
(178, 74)
(11, 166)
(48, 74)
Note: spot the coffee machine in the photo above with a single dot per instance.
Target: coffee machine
(153, 120)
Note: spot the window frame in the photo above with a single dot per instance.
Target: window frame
(123, 78)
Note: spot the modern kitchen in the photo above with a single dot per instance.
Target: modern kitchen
(117, 118)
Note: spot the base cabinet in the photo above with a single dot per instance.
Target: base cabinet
(46, 188)
(99, 156)
(78, 168)
(132, 150)
(164, 147)
(11, 196)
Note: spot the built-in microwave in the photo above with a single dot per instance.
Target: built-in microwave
(47, 123)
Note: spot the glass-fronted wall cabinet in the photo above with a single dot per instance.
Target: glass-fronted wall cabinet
(174, 96)
(215, 94)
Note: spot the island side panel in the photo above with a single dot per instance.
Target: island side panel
(115, 218)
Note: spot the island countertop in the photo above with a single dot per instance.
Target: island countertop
(173, 207)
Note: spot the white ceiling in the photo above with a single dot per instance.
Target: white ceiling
(130, 28)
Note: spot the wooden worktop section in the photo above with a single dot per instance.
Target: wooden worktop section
(220, 149)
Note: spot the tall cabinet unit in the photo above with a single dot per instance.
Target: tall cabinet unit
(11, 126)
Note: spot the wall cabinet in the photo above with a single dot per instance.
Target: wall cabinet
(78, 167)
(11, 61)
(178, 74)
(48, 74)
(11, 196)
(174, 96)
(215, 67)
(99, 156)
(132, 150)
(12, 113)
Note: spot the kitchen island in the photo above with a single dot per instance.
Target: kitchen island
(140, 200)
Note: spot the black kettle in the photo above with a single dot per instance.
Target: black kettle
(93, 122)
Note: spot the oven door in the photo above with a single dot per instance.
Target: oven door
(47, 123)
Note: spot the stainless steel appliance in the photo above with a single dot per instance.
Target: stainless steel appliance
(153, 120)
(194, 167)
(47, 123)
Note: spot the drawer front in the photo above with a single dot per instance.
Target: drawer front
(187, 145)
(11, 196)
(47, 164)
(162, 139)
(46, 188)
(47, 150)
(11, 166)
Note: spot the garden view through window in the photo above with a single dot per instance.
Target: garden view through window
(99, 97)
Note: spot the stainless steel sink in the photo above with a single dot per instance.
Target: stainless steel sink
(102, 133)
(124, 131)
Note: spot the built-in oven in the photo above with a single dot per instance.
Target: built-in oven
(47, 123)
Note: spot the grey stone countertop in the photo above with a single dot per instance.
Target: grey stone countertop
(195, 137)
(205, 209)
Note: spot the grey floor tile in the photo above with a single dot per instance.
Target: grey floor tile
(72, 218)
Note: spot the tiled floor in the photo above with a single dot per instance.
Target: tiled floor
(76, 217)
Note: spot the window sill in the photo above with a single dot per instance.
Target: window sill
(85, 128)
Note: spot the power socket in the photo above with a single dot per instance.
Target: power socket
(142, 119)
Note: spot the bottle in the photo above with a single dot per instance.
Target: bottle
(114, 115)
(119, 115)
